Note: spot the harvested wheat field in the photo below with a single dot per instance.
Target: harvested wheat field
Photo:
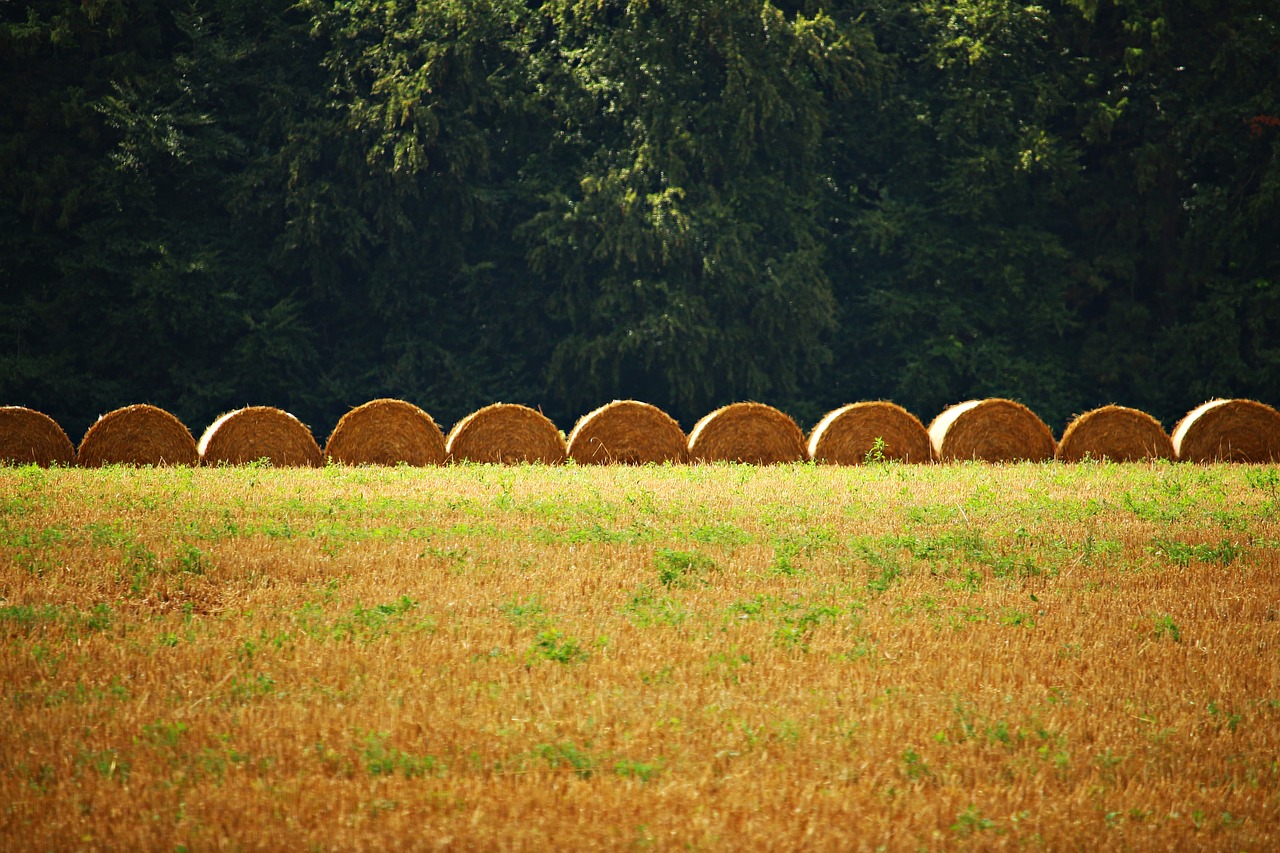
(257, 433)
(627, 432)
(1229, 431)
(714, 657)
(753, 433)
(386, 432)
(1117, 433)
(28, 437)
(869, 431)
(993, 430)
(137, 435)
(506, 433)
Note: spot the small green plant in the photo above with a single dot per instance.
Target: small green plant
(1107, 762)
(1264, 479)
(245, 689)
(970, 822)
(796, 628)
(725, 534)
(383, 760)
(1183, 554)
(567, 755)
(889, 574)
(141, 563)
(367, 624)
(526, 613)
(1017, 618)
(1224, 717)
(914, 766)
(885, 568)
(163, 735)
(639, 770)
(554, 646)
(107, 763)
(191, 560)
(1164, 626)
(683, 568)
(790, 547)
(875, 456)
(646, 609)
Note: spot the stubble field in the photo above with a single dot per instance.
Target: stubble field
(701, 657)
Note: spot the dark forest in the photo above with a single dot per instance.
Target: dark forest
(311, 204)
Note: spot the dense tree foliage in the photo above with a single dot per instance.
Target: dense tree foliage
(311, 204)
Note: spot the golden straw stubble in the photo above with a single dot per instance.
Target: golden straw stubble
(1117, 433)
(141, 434)
(1229, 431)
(506, 433)
(259, 432)
(386, 432)
(991, 430)
(627, 432)
(747, 432)
(848, 435)
(28, 437)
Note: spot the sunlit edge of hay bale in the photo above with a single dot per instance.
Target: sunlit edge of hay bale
(28, 437)
(991, 430)
(627, 432)
(847, 435)
(1228, 431)
(140, 434)
(506, 433)
(259, 432)
(1115, 433)
(748, 432)
(386, 432)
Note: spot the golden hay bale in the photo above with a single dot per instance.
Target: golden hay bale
(386, 432)
(259, 432)
(1229, 431)
(506, 433)
(28, 437)
(848, 434)
(1116, 433)
(747, 432)
(138, 435)
(993, 430)
(627, 432)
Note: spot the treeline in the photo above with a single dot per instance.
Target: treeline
(314, 203)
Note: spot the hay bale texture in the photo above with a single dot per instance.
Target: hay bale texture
(137, 435)
(848, 434)
(386, 432)
(1229, 431)
(259, 432)
(1116, 433)
(506, 433)
(993, 430)
(747, 432)
(627, 432)
(28, 437)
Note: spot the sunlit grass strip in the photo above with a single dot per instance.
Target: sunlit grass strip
(722, 656)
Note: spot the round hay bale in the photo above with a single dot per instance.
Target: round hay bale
(1117, 433)
(627, 432)
(848, 434)
(507, 433)
(28, 437)
(259, 432)
(1229, 431)
(137, 435)
(386, 432)
(747, 432)
(993, 430)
